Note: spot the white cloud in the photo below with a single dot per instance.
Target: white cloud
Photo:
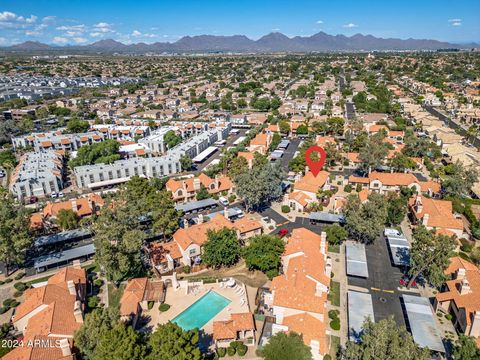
(60, 40)
(350, 26)
(10, 20)
(48, 19)
(103, 27)
(80, 40)
(136, 33)
(3, 41)
(96, 34)
(276, 29)
(455, 22)
(319, 21)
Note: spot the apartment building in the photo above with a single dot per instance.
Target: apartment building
(57, 140)
(38, 174)
(184, 190)
(298, 297)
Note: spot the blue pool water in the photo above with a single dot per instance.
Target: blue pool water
(201, 311)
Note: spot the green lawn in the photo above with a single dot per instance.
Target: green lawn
(39, 280)
(114, 295)
(334, 345)
(334, 248)
(334, 295)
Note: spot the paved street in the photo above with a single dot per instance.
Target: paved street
(382, 282)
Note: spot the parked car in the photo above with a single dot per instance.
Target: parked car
(405, 280)
(282, 233)
(61, 195)
(224, 201)
(33, 199)
(54, 195)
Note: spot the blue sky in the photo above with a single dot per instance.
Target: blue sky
(81, 22)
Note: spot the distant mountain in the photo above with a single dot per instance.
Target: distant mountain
(32, 45)
(273, 42)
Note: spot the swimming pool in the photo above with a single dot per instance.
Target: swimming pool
(201, 311)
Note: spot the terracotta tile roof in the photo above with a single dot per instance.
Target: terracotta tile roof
(304, 266)
(227, 329)
(440, 213)
(138, 290)
(159, 251)
(46, 144)
(353, 157)
(311, 183)
(469, 301)
(300, 197)
(197, 234)
(83, 206)
(246, 224)
(39, 352)
(324, 140)
(311, 328)
(65, 141)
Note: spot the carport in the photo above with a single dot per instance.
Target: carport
(360, 307)
(399, 247)
(422, 323)
(356, 259)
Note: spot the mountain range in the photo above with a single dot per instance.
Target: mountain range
(273, 42)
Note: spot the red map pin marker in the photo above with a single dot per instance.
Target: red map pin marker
(315, 166)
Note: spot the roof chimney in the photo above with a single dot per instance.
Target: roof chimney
(464, 287)
(76, 264)
(71, 287)
(460, 274)
(65, 347)
(196, 184)
(225, 212)
(185, 224)
(426, 217)
(77, 311)
(74, 205)
(418, 204)
(200, 218)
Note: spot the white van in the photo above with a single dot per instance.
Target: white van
(224, 201)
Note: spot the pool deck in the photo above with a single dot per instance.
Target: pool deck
(180, 301)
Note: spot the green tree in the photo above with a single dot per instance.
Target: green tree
(164, 215)
(15, 237)
(364, 222)
(336, 234)
(103, 152)
(170, 341)
(397, 209)
(76, 125)
(284, 127)
(384, 340)
(203, 193)
(372, 154)
(401, 162)
(430, 255)
(171, 139)
(97, 323)
(259, 185)
(122, 342)
(67, 219)
(221, 248)
(302, 130)
(264, 253)
(118, 242)
(465, 348)
(459, 183)
(186, 162)
(237, 166)
(286, 347)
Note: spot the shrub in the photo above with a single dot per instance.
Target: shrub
(449, 317)
(231, 351)
(17, 294)
(285, 209)
(15, 303)
(150, 305)
(8, 302)
(20, 286)
(163, 307)
(348, 188)
(9, 280)
(242, 349)
(335, 324)
(2, 282)
(93, 302)
(466, 246)
(19, 275)
(221, 351)
(4, 309)
(333, 314)
(358, 188)
(186, 269)
(327, 357)
(232, 198)
(98, 282)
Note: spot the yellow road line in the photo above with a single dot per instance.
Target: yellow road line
(376, 289)
(388, 291)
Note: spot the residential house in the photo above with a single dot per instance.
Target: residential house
(305, 190)
(240, 327)
(298, 297)
(460, 296)
(137, 295)
(436, 215)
